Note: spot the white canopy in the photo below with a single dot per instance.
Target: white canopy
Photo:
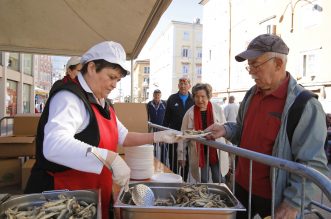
(70, 27)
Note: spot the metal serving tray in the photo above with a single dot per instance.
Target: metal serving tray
(37, 199)
(163, 190)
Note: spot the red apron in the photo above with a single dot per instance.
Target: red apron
(75, 180)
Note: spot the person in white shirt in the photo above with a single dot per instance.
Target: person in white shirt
(73, 67)
(231, 110)
(77, 119)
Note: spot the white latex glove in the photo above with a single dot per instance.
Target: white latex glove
(121, 172)
(167, 136)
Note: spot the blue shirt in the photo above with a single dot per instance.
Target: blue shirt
(183, 98)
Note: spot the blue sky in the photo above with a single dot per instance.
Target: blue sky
(179, 10)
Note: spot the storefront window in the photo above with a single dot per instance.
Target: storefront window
(27, 65)
(11, 98)
(14, 61)
(26, 98)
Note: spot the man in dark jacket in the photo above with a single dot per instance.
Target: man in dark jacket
(156, 110)
(177, 105)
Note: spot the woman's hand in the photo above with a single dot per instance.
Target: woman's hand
(121, 171)
(181, 163)
(167, 136)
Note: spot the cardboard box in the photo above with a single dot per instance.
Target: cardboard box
(16, 146)
(25, 124)
(10, 172)
(26, 171)
(133, 116)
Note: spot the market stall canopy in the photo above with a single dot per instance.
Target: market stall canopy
(40, 91)
(70, 27)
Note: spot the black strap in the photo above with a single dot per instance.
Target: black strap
(296, 110)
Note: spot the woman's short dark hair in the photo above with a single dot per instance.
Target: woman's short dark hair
(202, 86)
(73, 67)
(101, 64)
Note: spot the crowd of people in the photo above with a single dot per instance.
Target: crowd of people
(78, 117)
(260, 124)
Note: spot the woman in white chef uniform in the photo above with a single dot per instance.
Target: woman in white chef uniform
(77, 117)
(201, 157)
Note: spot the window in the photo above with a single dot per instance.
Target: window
(185, 52)
(268, 29)
(146, 70)
(26, 98)
(198, 70)
(310, 65)
(27, 65)
(185, 68)
(199, 37)
(0, 58)
(312, 17)
(186, 35)
(14, 61)
(199, 53)
(11, 98)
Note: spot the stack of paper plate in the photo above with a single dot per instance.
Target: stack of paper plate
(141, 161)
(167, 178)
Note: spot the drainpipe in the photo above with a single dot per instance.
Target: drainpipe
(132, 81)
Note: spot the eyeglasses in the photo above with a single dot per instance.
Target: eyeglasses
(250, 68)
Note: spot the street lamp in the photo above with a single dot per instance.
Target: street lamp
(315, 7)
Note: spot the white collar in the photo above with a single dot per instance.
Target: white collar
(87, 89)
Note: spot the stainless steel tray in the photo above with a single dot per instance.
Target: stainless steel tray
(37, 199)
(163, 190)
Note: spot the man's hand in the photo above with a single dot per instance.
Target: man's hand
(167, 136)
(285, 211)
(121, 171)
(217, 130)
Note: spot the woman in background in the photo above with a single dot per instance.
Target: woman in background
(198, 117)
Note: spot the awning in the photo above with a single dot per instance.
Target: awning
(70, 27)
(40, 91)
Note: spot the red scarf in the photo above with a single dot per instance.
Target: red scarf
(213, 159)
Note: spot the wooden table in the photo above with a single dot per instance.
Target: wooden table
(159, 167)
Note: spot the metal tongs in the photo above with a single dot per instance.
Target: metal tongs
(141, 194)
(97, 155)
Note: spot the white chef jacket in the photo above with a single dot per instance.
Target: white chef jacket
(67, 117)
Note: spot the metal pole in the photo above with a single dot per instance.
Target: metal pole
(230, 38)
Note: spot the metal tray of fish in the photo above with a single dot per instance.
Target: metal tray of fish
(164, 190)
(28, 201)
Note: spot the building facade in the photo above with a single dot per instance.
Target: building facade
(43, 79)
(230, 25)
(141, 71)
(16, 84)
(177, 52)
(25, 80)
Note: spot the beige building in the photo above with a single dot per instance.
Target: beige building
(141, 81)
(177, 52)
(25, 79)
(240, 21)
(16, 84)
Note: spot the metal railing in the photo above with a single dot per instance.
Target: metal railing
(306, 173)
(6, 125)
